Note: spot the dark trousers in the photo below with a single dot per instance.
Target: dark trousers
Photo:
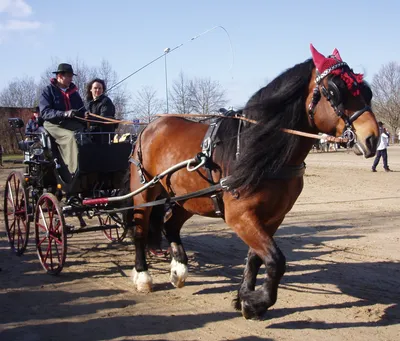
(380, 153)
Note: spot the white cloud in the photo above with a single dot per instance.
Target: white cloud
(21, 25)
(16, 15)
(15, 8)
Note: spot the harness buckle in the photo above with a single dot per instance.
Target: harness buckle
(223, 184)
(206, 147)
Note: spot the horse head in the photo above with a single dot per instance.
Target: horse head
(339, 103)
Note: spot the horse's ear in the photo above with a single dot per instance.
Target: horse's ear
(336, 54)
(318, 58)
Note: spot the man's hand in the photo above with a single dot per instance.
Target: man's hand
(70, 113)
(87, 114)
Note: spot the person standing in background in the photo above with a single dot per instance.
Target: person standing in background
(382, 149)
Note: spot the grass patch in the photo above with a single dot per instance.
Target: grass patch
(9, 157)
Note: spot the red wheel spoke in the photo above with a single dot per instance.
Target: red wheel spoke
(57, 240)
(19, 235)
(41, 241)
(41, 227)
(58, 253)
(14, 230)
(23, 225)
(12, 226)
(47, 251)
(51, 254)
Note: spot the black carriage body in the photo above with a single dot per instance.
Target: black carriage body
(101, 167)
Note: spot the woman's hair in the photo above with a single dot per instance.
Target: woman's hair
(89, 96)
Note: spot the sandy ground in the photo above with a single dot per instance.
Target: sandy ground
(341, 241)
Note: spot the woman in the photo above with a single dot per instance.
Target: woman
(100, 104)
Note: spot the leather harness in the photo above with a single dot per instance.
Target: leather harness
(216, 189)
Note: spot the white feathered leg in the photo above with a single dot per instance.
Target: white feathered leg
(179, 273)
(142, 280)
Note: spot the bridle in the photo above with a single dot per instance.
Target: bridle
(333, 96)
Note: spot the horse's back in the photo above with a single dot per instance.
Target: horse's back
(170, 140)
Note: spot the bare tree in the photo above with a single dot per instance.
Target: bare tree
(206, 96)
(21, 93)
(386, 89)
(180, 95)
(121, 102)
(147, 104)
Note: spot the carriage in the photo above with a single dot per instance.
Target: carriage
(43, 195)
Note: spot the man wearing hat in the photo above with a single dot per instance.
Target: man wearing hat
(59, 103)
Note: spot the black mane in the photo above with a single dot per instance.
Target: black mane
(264, 148)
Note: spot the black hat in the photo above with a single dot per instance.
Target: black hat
(63, 67)
(36, 109)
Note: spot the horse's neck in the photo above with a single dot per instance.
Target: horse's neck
(304, 145)
(301, 151)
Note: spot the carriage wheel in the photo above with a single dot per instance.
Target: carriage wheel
(115, 234)
(16, 217)
(50, 234)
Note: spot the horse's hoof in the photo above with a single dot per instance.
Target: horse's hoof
(179, 273)
(142, 280)
(249, 312)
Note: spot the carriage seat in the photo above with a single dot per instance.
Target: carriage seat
(104, 158)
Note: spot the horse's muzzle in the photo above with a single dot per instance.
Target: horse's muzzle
(366, 147)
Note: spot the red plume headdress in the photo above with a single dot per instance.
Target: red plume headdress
(334, 64)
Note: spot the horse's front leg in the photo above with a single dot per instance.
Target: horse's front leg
(254, 303)
(249, 279)
(179, 259)
(140, 274)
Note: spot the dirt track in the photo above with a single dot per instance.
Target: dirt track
(341, 242)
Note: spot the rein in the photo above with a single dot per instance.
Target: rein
(289, 131)
(108, 120)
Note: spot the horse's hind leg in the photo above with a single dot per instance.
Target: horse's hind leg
(179, 260)
(254, 303)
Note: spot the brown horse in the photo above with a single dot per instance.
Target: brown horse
(263, 167)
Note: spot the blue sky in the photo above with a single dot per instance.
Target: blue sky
(267, 37)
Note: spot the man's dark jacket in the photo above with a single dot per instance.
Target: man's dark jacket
(54, 102)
